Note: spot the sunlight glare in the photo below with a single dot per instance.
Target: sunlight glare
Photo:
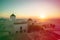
(42, 16)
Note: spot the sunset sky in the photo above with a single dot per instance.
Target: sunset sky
(30, 8)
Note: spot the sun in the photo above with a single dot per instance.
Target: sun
(42, 16)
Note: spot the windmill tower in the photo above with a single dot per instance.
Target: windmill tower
(12, 17)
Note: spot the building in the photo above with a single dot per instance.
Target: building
(20, 25)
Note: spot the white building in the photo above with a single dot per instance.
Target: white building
(19, 24)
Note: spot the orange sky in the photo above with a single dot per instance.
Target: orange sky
(48, 9)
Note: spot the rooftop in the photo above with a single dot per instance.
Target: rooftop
(12, 15)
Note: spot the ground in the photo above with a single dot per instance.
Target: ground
(21, 36)
(37, 35)
(41, 35)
